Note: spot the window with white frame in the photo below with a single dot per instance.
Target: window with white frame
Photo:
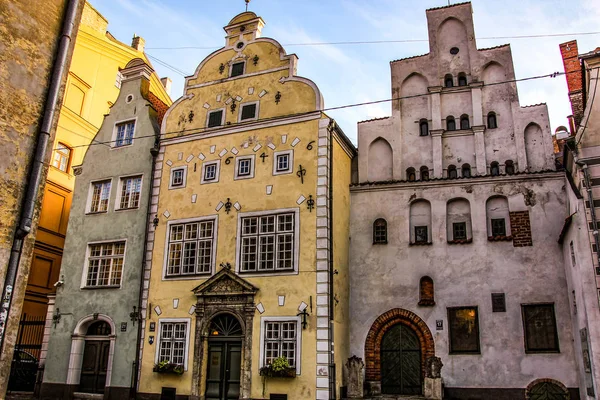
(61, 157)
(131, 189)
(124, 133)
(172, 345)
(280, 339)
(210, 171)
(190, 248)
(244, 167)
(105, 264)
(178, 177)
(248, 112)
(100, 196)
(267, 243)
(283, 162)
(215, 118)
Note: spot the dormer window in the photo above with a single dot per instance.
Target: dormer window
(448, 81)
(237, 69)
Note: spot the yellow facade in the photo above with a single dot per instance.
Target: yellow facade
(92, 87)
(287, 118)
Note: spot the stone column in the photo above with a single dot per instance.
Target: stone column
(477, 103)
(436, 138)
(436, 108)
(480, 158)
(198, 353)
(355, 367)
(47, 329)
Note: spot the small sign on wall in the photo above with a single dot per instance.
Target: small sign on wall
(439, 324)
(152, 326)
(498, 302)
(151, 339)
(123, 326)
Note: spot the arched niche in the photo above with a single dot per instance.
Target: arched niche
(493, 72)
(534, 147)
(426, 292)
(420, 222)
(458, 221)
(498, 217)
(453, 33)
(381, 160)
(415, 108)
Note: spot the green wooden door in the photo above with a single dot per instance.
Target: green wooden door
(401, 362)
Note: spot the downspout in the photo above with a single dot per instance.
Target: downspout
(332, 371)
(136, 363)
(59, 70)
(588, 187)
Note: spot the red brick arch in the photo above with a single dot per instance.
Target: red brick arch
(380, 327)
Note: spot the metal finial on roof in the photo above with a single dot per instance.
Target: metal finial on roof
(247, 2)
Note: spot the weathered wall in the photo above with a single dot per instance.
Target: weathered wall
(383, 277)
(29, 36)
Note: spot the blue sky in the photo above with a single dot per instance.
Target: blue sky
(348, 74)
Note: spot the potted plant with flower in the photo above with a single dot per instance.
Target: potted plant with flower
(278, 368)
(167, 367)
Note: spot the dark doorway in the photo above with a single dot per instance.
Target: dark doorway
(224, 358)
(401, 361)
(95, 358)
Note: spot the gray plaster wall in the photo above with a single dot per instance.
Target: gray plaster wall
(383, 277)
(523, 133)
(105, 162)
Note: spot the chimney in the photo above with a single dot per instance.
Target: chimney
(570, 56)
(166, 82)
(138, 43)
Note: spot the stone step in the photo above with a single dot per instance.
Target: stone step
(87, 396)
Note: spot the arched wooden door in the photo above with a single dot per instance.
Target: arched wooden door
(95, 358)
(401, 361)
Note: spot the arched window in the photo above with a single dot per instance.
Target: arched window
(100, 328)
(452, 173)
(458, 221)
(426, 292)
(492, 122)
(498, 218)
(494, 168)
(380, 231)
(464, 122)
(450, 123)
(509, 167)
(411, 175)
(423, 127)
(424, 173)
(420, 222)
(466, 171)
(448, 80)
(462, 79)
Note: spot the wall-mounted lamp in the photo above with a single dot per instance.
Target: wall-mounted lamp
(135, 315)
(56, 317)
(304, 314)
(155, 221)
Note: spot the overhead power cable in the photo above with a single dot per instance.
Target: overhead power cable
(457, 90)
(385, 41)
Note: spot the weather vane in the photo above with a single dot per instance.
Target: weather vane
(247, 2)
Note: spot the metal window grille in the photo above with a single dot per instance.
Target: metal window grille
(172, 342)
(280, 340)
(421, 234)
(61, 157)
(237, 69)
(100, 196)
(215, 118)
(539, 324)
(267, 243)
(248, 111)
(210, 172)
(177, 177)
(459, 230)
(498, 227)
(125, 134)
(244, 167)
(105, 264)
(283, 162)
(130, 192)
(190, 248)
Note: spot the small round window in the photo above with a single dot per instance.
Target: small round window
(239, 45)
(242, 28)
(454, 50)
(129, 98)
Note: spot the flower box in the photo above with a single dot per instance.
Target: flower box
(168, 368)
(268, 371)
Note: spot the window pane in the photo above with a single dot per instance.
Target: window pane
(540, 328)
(248, 111)
(210, 172)
(190, 248)
(459, 230)
(215, 118)
(421, 234)
(498, 227)
(283, 162)
(237, 69)
(105, 264)
(464, 330)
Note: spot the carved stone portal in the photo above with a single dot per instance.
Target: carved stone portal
(225, 292)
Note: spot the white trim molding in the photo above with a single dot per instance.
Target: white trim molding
(188, 323)
(113, 141)
(296, 319)
(173, 169)
(290, 169)
(241, 109)
(217, 171)
(236, 175)
(86, 265)
(209, 112)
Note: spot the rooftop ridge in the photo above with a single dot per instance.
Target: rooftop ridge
(494, 47)
(372, 119)
(448, 6)
(534, 105)
(408, 58)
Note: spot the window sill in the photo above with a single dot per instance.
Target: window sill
(461, 241)
(237, 178)
(376, 243)
(127, 209)
(420, 243)
(500, 238)
(101, 287)
(286, 373)
(121, 147)
(465, 353)
(269, 272)
(534, 352)
(96, 212)
(188, 276)
(284, 172)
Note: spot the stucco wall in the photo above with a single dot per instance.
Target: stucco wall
(383, 277)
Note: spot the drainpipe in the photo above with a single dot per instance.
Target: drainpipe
(136, 363)
(332, 372)
(588, 186)
(59, 70)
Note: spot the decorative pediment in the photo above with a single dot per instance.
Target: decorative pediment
(225, 283)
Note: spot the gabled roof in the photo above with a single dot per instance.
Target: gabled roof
(224, 283)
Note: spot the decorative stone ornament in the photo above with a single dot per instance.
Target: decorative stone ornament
(355, 379)
(221, 68)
